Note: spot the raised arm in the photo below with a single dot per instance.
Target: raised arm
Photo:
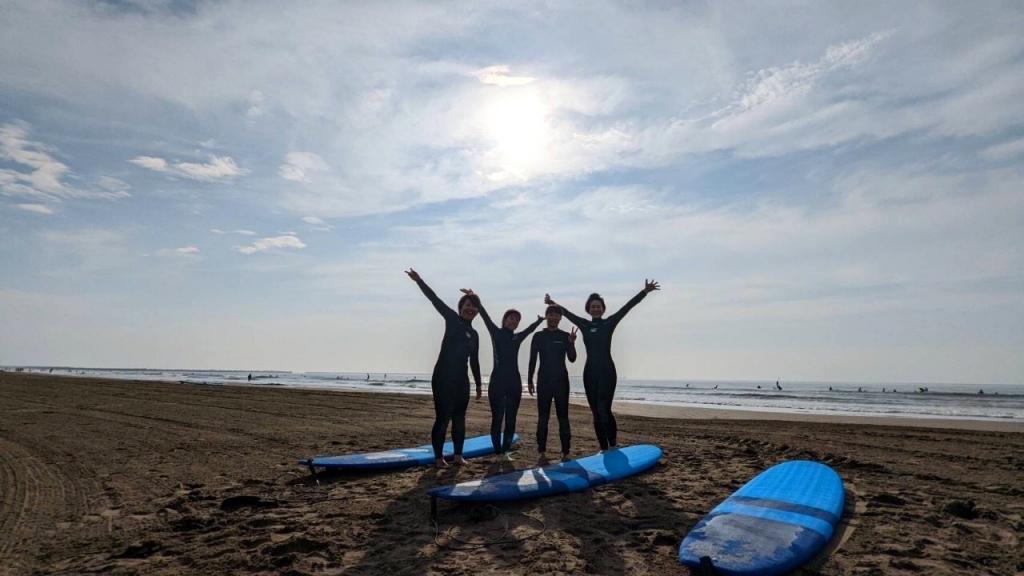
(439, 304)
(526, 331)
(649, 286)
(581, 322)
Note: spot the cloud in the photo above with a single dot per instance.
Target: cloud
(43, 176)
(317, 223)
(151, 162)
(218, 168)
(37, 208)
(240, 231)
(187, 250)
(298, 165)
(1003, 151)
(499, 76)
(255, 109)
(273, 243)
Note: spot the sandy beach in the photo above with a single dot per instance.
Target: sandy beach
(122, 477)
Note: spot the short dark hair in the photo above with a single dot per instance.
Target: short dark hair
(553, 308)
(473, 297)
(591, 298)
(510, 312)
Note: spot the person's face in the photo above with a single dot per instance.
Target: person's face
(553, 319)
(468, 310)
(511, 322)
(596, 309)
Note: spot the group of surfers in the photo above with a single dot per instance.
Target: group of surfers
(551, 346)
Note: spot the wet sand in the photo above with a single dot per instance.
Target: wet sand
(122, 477)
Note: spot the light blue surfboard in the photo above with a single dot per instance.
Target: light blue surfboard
(404, 457)
(772, 524)
(571, 476)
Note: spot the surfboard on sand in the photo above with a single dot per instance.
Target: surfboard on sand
(402, 458)
(571, 476)
(772, 524)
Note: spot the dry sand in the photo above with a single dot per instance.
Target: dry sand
(120, 477)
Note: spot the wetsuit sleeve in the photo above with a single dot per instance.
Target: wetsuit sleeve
(615, 318)
(534, 353)
(574, 318)
(570, 351)
(491, 327)
(526, 331)
(474, 365)
(439, 304)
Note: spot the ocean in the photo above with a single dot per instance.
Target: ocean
(1003, 402)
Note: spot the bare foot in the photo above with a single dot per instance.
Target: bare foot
(440, 463)
(566, 457)
(459, 460)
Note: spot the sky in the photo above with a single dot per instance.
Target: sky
(827, 191)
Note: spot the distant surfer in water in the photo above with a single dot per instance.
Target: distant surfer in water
(599, 375)
(505, 388)
(450, 382)
(552, 346)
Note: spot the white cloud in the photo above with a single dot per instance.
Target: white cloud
(44, 177)
(273, 243)
(255, 109)
(499, 76)
(218, 168)
(298, 165)
(187, 250)
(1003, 151)
(37, 208)
(317, 223)
(240, 231)
(152, 163)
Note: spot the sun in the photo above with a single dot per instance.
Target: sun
(515, 126)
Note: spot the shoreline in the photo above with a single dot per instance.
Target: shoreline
(672, 411)
(703, 413)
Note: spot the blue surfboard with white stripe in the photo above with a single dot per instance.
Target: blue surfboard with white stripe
(403, 457)
(772, 524)
(571, 476)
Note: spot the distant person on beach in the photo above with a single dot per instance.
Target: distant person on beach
(450, 382)
(552, 346)
(505, 388)
(599, 375)
(250, 377)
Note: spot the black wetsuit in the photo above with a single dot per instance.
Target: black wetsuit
(450, 382)
(599, 376)
(505, 389)
(552, 347)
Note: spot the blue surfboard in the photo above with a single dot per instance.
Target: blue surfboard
(404, 457)
(571, 476)
(772, 524)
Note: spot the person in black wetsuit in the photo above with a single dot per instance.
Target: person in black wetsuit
(599, 376)
(449, 382)
(552, 346)
(505, 389)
